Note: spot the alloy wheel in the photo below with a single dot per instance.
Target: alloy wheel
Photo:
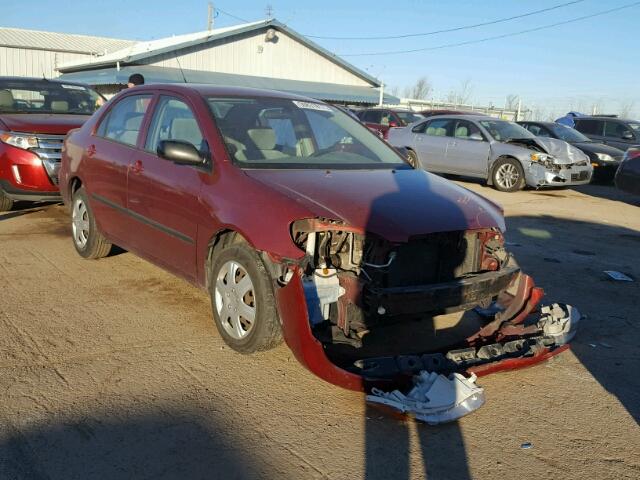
(507, 176)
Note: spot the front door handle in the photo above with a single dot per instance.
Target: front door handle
(137, 167)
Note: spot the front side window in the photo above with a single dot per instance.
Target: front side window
(124, 120)
(262, 132)
(173, 120)
(440, 128)
(616, 130)
(43, 96)
(465, 129)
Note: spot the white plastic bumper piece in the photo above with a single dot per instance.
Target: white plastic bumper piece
(434, 398)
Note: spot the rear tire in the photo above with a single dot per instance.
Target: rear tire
(6, 203)
(412, 158)
(242, 300)
(508, 175)
(87, 239)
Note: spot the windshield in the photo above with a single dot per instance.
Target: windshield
(43, 96)
(281, 133)
(568, 134)
(635, 126)
(503, 131)
(409, 117)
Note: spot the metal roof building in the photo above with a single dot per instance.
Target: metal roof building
(263, 54)
(32, 53)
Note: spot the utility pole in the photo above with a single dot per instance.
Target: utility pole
(210, 17)
(519, 109)
(381, 99)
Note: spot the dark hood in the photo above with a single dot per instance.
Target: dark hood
(589, 147)
(394, 205)
(53, 124)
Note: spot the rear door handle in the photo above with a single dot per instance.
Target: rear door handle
(137, 167)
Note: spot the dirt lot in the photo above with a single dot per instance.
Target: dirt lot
(113, 369)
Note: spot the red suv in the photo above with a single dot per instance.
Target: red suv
(35, 116)
(302, 224)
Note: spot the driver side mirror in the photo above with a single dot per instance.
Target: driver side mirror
(179, 152)
(627, 135)
(476, 136)
(393, 124)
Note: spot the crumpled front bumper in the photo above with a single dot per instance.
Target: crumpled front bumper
(512, 338)
(538, 175)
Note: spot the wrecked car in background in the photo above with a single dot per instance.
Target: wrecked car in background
(503, 153)
(303, 225)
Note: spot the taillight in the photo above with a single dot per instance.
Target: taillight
(631, 154)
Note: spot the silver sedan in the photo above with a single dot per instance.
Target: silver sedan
(501, 152)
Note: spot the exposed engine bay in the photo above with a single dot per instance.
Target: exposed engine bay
(368, 300)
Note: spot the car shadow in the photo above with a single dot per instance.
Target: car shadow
(391, 438)
(568, 259)
(608, 192)
(157, 443)
(23, 208)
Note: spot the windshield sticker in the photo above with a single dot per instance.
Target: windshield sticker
(312, 106)
(73, 87)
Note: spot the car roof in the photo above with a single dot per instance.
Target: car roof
(41, 79)
(604, 117)
(216, 91)
(393, 109)
(463, 117)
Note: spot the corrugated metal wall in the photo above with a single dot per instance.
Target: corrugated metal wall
(252, 55)
(23, 62)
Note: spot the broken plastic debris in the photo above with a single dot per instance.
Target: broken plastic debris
(559, 322)
(618, 276)
(434, 398)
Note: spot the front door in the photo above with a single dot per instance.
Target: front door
(107, 160)
(163, 196)
(468, 151)
(431, 142)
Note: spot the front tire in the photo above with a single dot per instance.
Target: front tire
(508, 175)
(87, 239)
(6, 203)
(244, 307)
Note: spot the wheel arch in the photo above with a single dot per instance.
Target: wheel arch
(493, 166)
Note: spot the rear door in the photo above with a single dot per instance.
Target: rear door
(107, 159)
(468, 151)
(431, 141)
(163, 196)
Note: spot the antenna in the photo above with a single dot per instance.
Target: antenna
(210, 16)
(269, 11)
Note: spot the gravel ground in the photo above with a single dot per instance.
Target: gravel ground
(113, 369)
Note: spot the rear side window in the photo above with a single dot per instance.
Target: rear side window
(173, 120)
(124, 120)
(374, 116)
(590, 127)
(439, 128)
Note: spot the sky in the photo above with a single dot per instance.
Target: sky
(573, 66)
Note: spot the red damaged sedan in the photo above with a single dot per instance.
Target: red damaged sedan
(303, 225)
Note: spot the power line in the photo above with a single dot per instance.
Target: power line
(496, 37)
(232, 16)
(455, 29)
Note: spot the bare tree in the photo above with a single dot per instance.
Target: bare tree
(463, 94)
(511, 102)
(626, 107)
(395, 90)
(419, 90)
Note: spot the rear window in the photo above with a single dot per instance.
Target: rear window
(43, 96)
